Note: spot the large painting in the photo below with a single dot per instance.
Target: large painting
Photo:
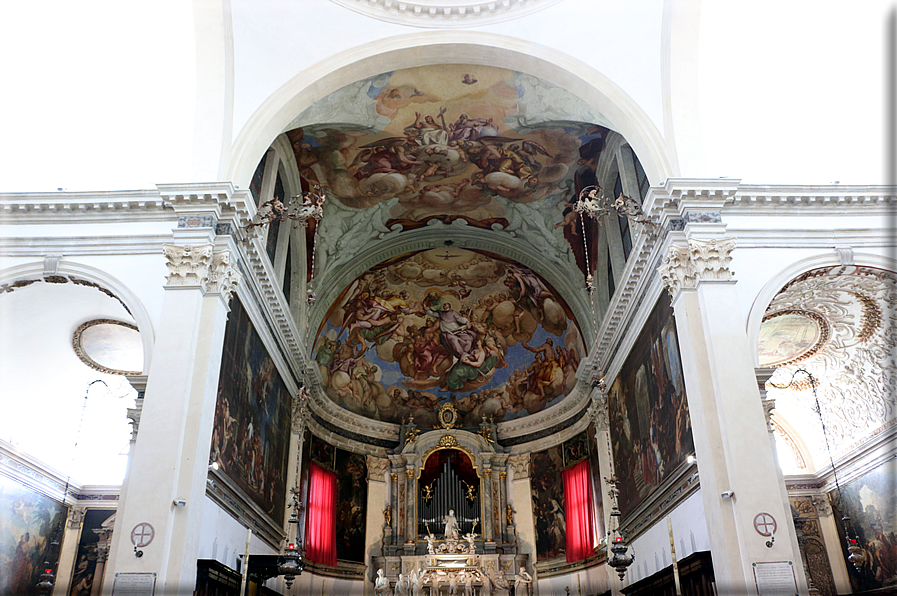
(448, 325)
(548, 502)
(84, 574)
(252, 418)
(871, 503)
(453, 142)
(351, 496)
(649, 421)
(29, 522)
(546, 479)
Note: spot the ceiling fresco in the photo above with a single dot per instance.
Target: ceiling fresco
(498, 149)
(448, 324)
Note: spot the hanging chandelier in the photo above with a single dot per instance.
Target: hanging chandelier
(594, 204)
(856, 554)
(303, 209)
(621, 559)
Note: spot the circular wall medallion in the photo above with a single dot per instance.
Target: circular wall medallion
(790, 336)
(765, 524)
(109, 346)
(142, 534)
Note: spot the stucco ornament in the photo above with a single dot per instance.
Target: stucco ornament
(519, 464)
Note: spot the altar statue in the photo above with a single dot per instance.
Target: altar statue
(402, 587)
(451, 525)
(470, 537)
(381, 584)
(468, 583)
(431, 544)
(415, 583)
(521, 583)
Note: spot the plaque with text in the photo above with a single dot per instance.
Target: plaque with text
(775, 578)
(134, 584)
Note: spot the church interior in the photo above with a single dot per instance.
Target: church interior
(444, 297)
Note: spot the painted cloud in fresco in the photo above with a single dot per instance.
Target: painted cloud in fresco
(448, 325)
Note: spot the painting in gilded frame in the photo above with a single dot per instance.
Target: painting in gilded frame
(251, 435)
(650, 427)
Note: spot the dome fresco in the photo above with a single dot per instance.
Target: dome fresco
(448, 325)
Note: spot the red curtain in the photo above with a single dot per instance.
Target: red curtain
(320, 526)
(578, 511)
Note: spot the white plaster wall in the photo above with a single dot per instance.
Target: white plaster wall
(793, 92)
(105, 94)
(308, 584)
(287, 37)
(582, 583)
(97, 94)
(652, 548)
(223, 538)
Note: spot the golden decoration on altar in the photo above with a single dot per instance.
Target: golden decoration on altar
(447, 415)
(447, 441)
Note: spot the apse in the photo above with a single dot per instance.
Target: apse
(448, 325)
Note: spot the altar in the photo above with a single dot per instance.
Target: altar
(448, 526)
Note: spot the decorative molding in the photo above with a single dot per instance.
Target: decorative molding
(677, 271)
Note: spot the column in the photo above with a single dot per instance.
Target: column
(70, 539)
(105, 538)
(736, 462)
(598, 415)
(410, 492)
(164, 491)
(374, 525)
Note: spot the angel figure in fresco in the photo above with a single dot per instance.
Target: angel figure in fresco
(468, 79)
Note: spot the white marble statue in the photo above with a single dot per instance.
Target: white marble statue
(521, 583)
(470, 537)
(431, 544)
(416, 581)
(451, 525)
(402, 587)
(453, 584)
(381, 584)
(468, 584)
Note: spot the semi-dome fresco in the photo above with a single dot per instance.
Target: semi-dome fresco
(448, 325)
(496, 148)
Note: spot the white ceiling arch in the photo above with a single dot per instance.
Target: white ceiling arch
(449, 47)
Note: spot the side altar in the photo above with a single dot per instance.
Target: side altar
(448, 526)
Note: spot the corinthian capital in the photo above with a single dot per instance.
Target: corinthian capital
(199, 266)
(222, 277)
(677, 271)
(377, 467)
(187, 264)
(711, 258)
(685, 267)
(519, 464)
